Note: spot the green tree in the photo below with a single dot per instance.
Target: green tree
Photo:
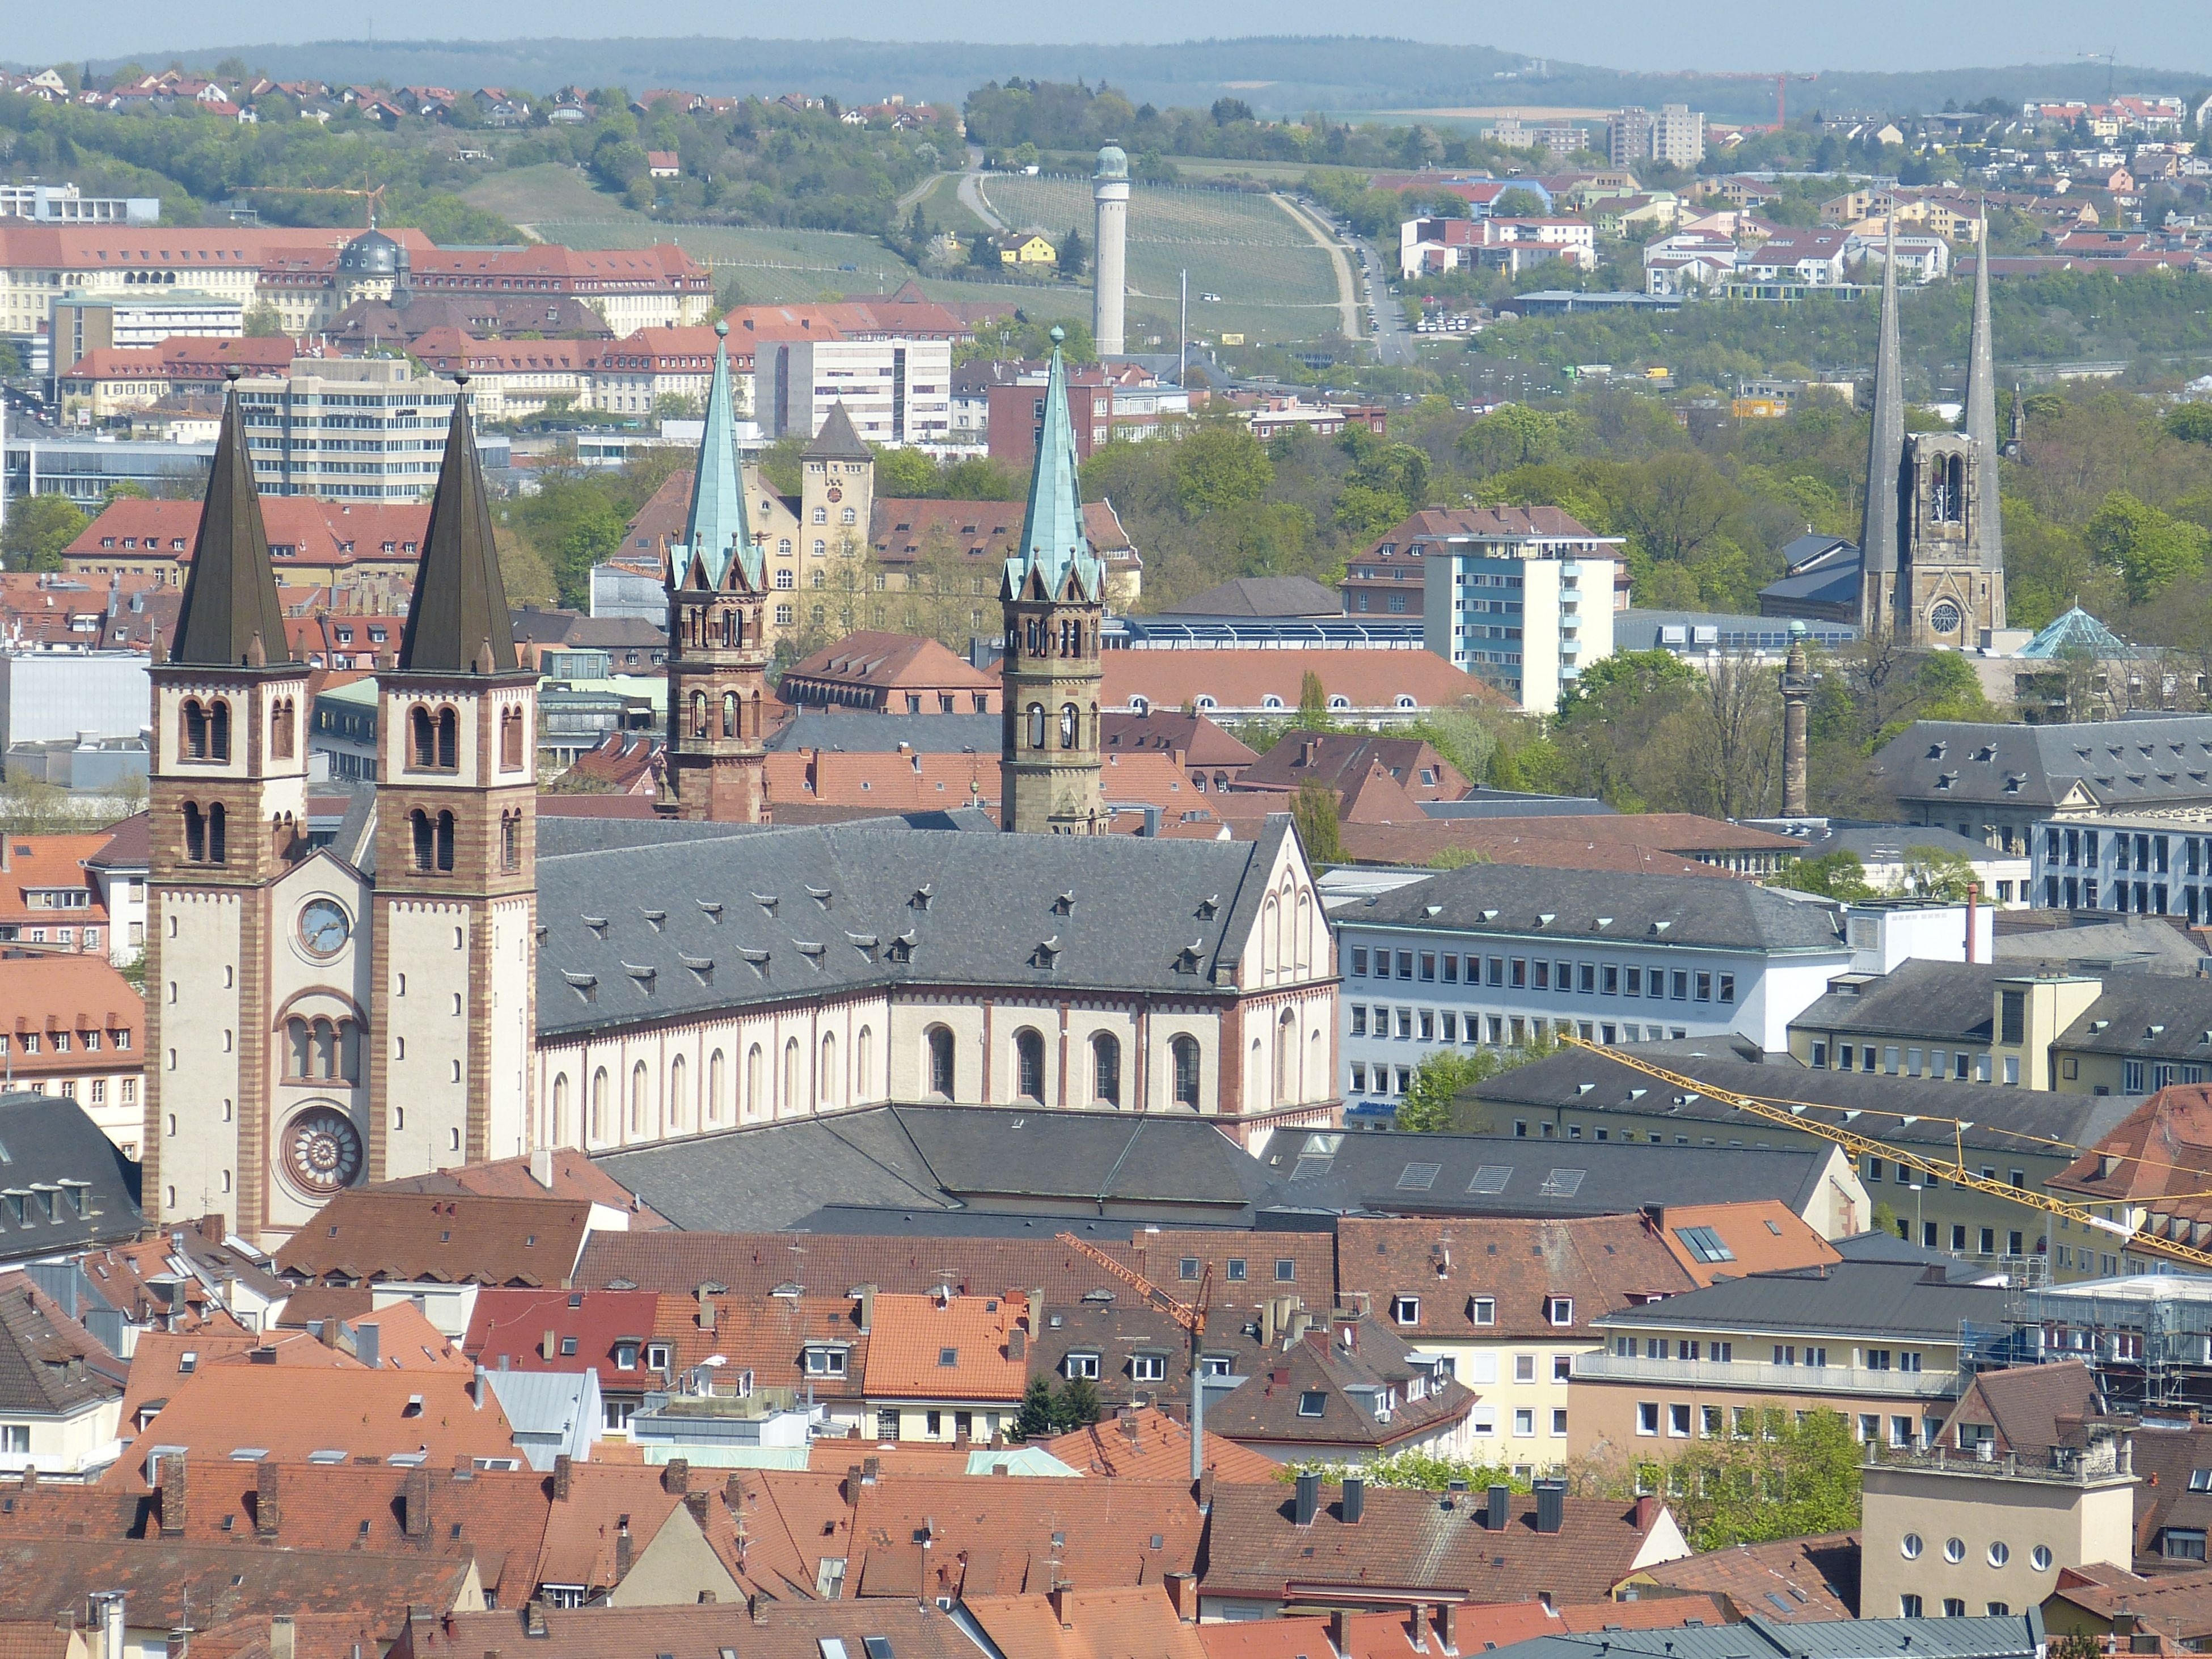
(1426, 1107)
(1035, 1420)
(2190, 422)
(38, 528)
(262, 322)
(1073, 253)
(1313, 702)
(1838, 875)
(1220, 467)
(1314, 811)
(1518, 204)
(1515, 435)
(2152, 548)
(1793, 1475)
(903, 474)
(1938, 872)
(1076, 1406)
(1417, 1471)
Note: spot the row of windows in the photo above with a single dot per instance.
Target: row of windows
(60, 1042)
(1713, 1350)
(1498, 1030)
(1684, 1421)
(1960, 1065)
(203, 729)
(97, 1088)
(1519, 973)
(940, 1052)
(433, 740)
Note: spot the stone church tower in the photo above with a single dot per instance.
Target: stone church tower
(227, 799)
(455, 900)
(1053, 596)
(714, 764)
(1932, 556)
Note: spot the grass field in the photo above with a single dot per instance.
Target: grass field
(1274, 283)
(530, 196)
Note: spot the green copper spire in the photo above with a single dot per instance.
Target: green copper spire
(716, 526)
(229, 614)
(1053, 541)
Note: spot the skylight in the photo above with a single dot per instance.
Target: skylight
(1419, 1177)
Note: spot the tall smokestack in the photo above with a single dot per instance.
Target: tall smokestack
(1796, 692)
(1109, 190)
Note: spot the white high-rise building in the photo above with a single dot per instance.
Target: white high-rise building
(1109, 188)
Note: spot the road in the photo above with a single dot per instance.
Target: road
(1394, 340)
(1347, 287)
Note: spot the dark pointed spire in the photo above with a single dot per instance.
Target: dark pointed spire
(230, 593)
(1982, 405)
(837, 441)
(458, 622)
(1878, 536)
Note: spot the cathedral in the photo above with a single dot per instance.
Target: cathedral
(449, 981)
(1931, 545)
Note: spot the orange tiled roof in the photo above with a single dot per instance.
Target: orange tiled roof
(955, 1348)
(1147, 1444)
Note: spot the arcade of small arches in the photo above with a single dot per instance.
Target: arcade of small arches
(1075, 729)
(754, 1079)
(434, 738)
(740, 715)
(203, 729)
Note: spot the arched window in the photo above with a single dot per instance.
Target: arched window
(445, 841)
(193, 730)
(1286, 1053)
(1183, 1051)
(730, 720)
(790, 1075)
(863, 1059)
(1069, 723)
(281, 729)
(826, 1089)
(713, 1102)
(418, 823)
(216, 847)
(219, 730)
(678, 1103)
(599, 1103)
(1036, 726)
(753, 1067)
(939, 1045)
(195, 834)
(510, 740)
(698, 714)
(1029, 1064)
(449, 739)
(1106, 1068)
(422, 738)
(297, 1045)
(637, 1086)
(560, 1109)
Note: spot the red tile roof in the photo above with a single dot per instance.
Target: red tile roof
(1147, 1444)
(304, 531)
(1088, 1624)
(868, 664)
(1370, 679)
(1790, 1580)
(366, 1234)
(51, 995)
(957, 1348)
(1007, 1536)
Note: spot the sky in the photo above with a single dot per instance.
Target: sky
(1627, 35)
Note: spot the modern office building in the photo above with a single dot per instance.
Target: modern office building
(347, 429)
(896, 392)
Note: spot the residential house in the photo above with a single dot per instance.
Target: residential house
(946, 1366)
(889, 673)
(47, 899)
(1879, 1342)
(75, 1029)
(1346, 1388)
(1211, 757)
(1787, 1581)
(1338, 760)
(2145, 1174)
(767, 1628)
(1069, 1623)
(1145, 1443)
(61, 1391)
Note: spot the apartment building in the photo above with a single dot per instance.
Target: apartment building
(2145, 865)
(1877, 1342)
(1675, 134)
(347, 430)
(77, 1031)
(895, 391)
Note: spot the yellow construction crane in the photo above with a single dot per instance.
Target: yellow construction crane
(1794, 1115)
(1190, 1315)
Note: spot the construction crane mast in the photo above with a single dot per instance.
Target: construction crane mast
(1952, 1169)
(1781, 78)
(1190, 1316)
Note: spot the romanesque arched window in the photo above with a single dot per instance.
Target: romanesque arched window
(1182, 1052)
(1106, 1069)
(421, 739)
(193, 730)
(449, 739)
(938, 1044)
(281, 730)
(1029, 1064)
(219, 730)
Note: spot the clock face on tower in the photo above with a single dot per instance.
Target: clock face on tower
(324, 927)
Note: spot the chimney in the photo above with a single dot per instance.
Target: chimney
(864, 1299)
(1420, 1627)
(367, 1348)
(1339, 1630)
(756, 1604)
(267, 1513)
(533, 1621)
(1448, 1626)
(676, 1476)
(1647, 1512)
(561, 1479)
(549, 1344)
(173, 1489)
(1182, 1596)
(697, 1502)
(1355, 1499)
(1501, 1498)
(625, 1552)
(1308, 1499)
(541, 1167)
(415, 1503)
(107, 1608)
(281, 1631)
(1058, 1597)
(1018, 1343)
(705, 1309)
(477, 1387)
(1551, 1506)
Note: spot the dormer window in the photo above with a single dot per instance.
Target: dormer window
(1082, 1367)
(825, 1360)
(626, 1355)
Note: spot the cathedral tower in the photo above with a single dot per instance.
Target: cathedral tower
(455, 902)
(715, 764)
(1878, 535)
(1053, 596)
(1982, 427)
(228, 804)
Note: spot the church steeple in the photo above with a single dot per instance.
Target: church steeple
(1053, 596)
(230, 616)
(458, 622)
(1879, 537)
(716, 529)
(713, 763)
(1982, 402)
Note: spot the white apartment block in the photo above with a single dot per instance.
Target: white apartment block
(1526, 613)
(1675, 135)
(895, 391)
(347, 429)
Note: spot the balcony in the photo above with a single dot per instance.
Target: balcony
(1760, 1376)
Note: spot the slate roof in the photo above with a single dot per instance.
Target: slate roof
(773, 1176)
(1953, 1001)
(1261, 596)
(2029, 1116)
(859, 733)
(837, 441)
(2148, 1016)
(786, 1630)
(1434, 1542)
(2154, 761)
(1489, 901)
(2018, 1636)
(1877, 1299)
(1790, 1580)
(459, 608)
(1331, 1171)
(804, 913)
(230, 592)
(50, 1142)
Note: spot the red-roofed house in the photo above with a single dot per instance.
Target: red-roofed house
(313, 543)
(1380, 686)
(889, 673)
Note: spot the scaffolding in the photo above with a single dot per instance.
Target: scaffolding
(2149, 1338)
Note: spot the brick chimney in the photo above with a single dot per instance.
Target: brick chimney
(1420, 1627)
(1339, 1630)
(560, 1478)
(173, 1495)
(1182, 1596)
(676, 1476)
(267, 1513)
(1647, 1512)
(534, 1620)
(697, 1502)
(415, 1503)
(1448, 1626)
(1058, 1597)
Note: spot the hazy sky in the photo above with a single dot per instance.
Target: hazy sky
(1870, 34)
